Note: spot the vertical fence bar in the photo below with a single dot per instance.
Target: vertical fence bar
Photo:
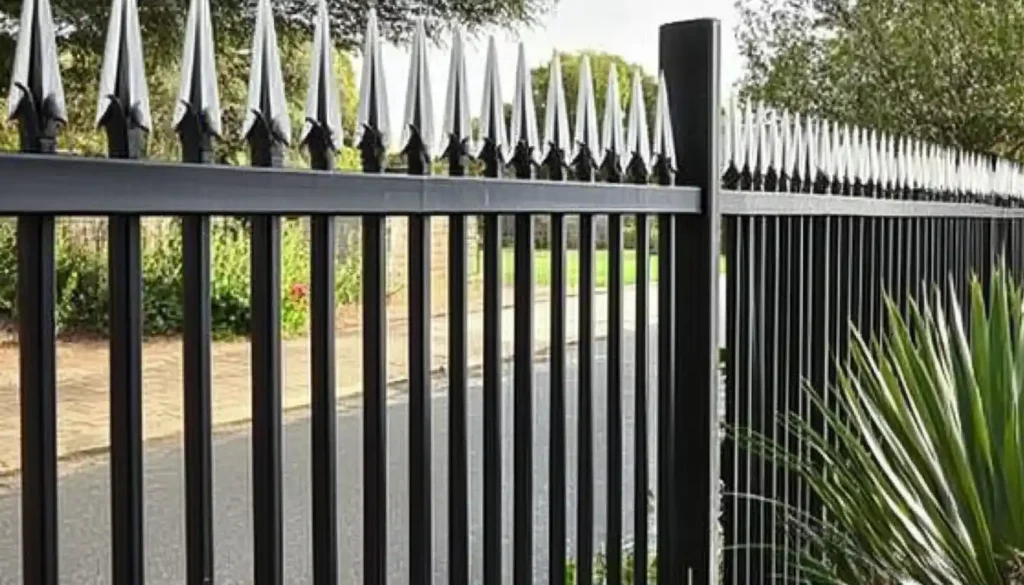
(416, 148)
(640, 387)
(869, 260)
(125, 269)
(584, 166)
(418, 254)
(37, 350)
(664, 174)
(323, 375)
(197, 125)
(790, 295)
(38, 398)
(523, 410)
(457, 155)
(773, 337)
(757, 399)
(689, 56)
(524, 140)
(492, 398)
(265, 291)
(820, 313)
(585, 458)
(197, 148)
(266, 399)
(372, 146)
(557, 496)
(615, 371)
(665, 497)
(124, 256)
(733, 459)
(374, 400)
(458, 455)
(420, 503)
(323, 407)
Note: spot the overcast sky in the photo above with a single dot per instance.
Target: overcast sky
(624, 27)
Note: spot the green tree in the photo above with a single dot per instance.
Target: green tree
(948, 72)
(82, 28)
(600, 63)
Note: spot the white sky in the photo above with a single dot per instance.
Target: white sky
(623, 27)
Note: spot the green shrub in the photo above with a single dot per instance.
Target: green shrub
(920, 478)
(82, 279)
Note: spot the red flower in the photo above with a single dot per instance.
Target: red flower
(299, 291)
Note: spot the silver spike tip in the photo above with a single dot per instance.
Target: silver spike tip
(664, 142)
(457, 125)
(493, 133)
(638, 139)
(266, 101)
(587, 139)
(612, 133)
(523, 133)
(372, 120)
(124, 39)
(418, 129)
(557, 139)
(197, 93)
(35, 74)
(323, 109)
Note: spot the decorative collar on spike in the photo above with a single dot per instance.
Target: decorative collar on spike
(323, 110)
(588, 143)
(557, 139)
(372, 122)
(525, 144)
(123, 77)
(612, 133)
(36, 92)
(418, 129)
(493, 133)
(266, 101)
(664, 149)
(638, 145)
(456, 129)
(198, 95)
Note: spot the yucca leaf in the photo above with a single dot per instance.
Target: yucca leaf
(916, 449)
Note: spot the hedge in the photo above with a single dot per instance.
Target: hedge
(82, 279)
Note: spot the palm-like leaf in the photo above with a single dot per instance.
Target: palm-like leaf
(921, 473)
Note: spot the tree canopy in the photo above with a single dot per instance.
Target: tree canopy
(82, 29)
(600, 63)
(950, 72)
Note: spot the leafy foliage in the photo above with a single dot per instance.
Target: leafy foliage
(83, 287)
(921, 478)
(948, 72)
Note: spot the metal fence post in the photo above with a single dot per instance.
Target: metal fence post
(689, 57)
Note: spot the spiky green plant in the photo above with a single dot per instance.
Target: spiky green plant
(921, 476)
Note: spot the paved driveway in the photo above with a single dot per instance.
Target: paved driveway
(84, 495)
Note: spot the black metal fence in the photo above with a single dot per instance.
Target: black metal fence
(822, 221)
(816, 223)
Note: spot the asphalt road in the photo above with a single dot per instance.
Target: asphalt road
(84, 493)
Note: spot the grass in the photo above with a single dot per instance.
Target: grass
(542, 267)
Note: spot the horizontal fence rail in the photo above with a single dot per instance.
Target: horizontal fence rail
(815, 222)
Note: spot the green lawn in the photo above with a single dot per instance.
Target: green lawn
(542, 267)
